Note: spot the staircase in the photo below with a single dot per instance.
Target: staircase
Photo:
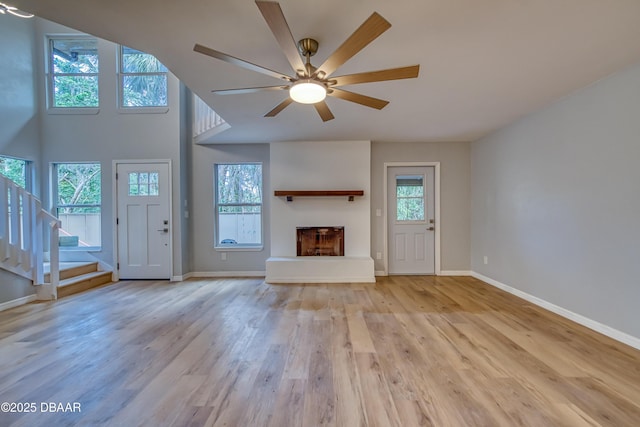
(27, 232)
(78, 277)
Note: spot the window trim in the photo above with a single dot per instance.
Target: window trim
(237, 247)
(50, 76)
(120, 75)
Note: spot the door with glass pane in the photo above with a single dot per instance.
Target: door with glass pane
(144, 228)
(411, 219)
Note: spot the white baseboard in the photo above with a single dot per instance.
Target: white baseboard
(225, 274)
(578, 318)
(455, 273)
(380, 273)
(17, 302)
(327, 279)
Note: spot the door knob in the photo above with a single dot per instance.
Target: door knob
(164, 230)
(430, 228)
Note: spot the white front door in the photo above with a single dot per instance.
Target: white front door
(143, 222)
(411, 219)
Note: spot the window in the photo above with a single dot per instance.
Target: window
(78, 203)
(143, 184)
(17, 170)
(238, 205)
(143, 80)
(73, 72)
(410, 198)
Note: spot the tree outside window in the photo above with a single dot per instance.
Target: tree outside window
(15, 169)
(78, 203)
(73, 69)
(238, 204)
(143, 79)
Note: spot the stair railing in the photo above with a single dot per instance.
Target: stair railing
(206, 122)
(22, 237)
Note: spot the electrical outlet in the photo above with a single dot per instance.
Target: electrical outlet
(378, 212)
(378, 255)
(223, 256)
(486, 259)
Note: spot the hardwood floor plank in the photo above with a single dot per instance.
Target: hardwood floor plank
(404, 351)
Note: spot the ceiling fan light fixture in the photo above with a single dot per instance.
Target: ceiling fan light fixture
(5, 8)
(307, 91)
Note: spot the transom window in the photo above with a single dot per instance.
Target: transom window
(238, 205)
(143, 79)
(410, 198)
(73, 72)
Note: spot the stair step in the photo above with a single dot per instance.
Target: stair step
(72, 269)
(83, 282)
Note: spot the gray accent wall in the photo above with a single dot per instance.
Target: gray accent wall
(454, 158)
(19, 128)
(556, 203)
(13, 287)
(205, 257)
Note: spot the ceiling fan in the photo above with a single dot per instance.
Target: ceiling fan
(311, 85)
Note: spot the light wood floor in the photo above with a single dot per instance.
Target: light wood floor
(407, 351)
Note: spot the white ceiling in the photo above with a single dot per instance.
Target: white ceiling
(483, 64)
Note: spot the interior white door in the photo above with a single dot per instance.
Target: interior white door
(411, 219)
(144, 229)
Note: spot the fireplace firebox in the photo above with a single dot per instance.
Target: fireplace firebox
(320, 241)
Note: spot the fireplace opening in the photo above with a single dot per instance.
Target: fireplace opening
(320, 241)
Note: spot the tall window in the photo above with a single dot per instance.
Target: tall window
(17, 170)
(143, 80)
(78, 203)
(238, 205)
(73, 72)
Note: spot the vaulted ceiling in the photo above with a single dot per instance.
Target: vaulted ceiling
(483, 64)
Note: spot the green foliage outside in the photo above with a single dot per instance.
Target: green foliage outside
(14, 169)
(410, 203)
(78, 184)
(239, 183)
(75, 79)
(144, 80)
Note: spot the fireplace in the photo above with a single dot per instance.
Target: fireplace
(320, 241)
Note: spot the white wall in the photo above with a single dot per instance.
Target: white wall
(111, 135)
(455, 195)
(556, 203)
(334, 165)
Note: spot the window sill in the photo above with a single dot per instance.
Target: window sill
(143, 110)
(72, 110)
(239, 248)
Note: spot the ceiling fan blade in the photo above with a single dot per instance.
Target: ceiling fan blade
(323, 109)
(377, 76)
(247, 90)
(284, 104)
(367, 101)
(272, 13)
(239, 62)
(365, 34)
